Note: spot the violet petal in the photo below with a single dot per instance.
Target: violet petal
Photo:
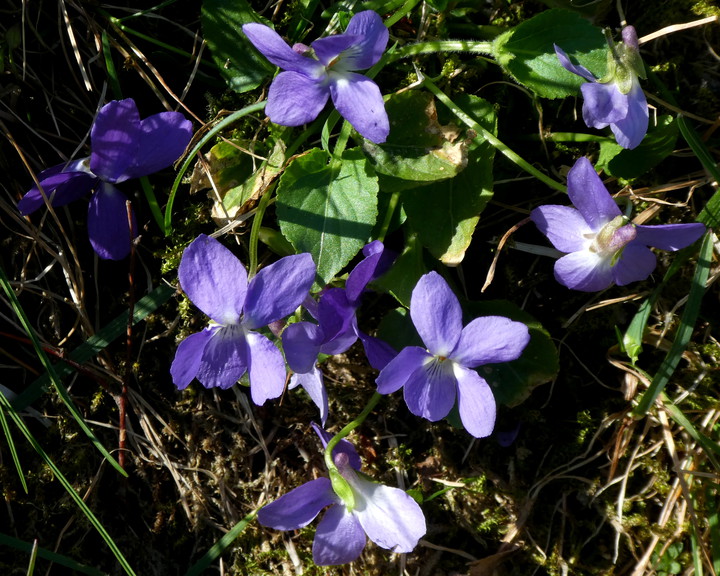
(214, 279)
(339, 538)
(669, 236)
(636, 263)
(476, 403)
(277, 290)
(359, 101)
(430, 390)
(389, 516)
(312, 383)
(589, 195)
(436, 313)
(369, 26)
(378, 352)
(630, 130)
(586, 271)
(225, 358)
(276, 50)
(61, 188)
(115, 138)
(298, 507)
(163, 138)
(490, 340)
(108, 226)
(266, 369)
(395, 375)
(301, 343)
(564, 226)
(603, 104)
(188, 357)
(574, 68)
(329, 50)
(295, 99)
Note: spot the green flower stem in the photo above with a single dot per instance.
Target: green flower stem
(490, 138)
(392, 205)
(346, 431)
(224, 123)
(436, 46)
(255, 230)
(401, 13)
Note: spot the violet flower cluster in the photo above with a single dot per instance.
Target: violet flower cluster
(361, 509)
(337, 329)
(217, 283)
(602, 247)
(122, 147)
(326, 69)
(434, 377)
(616, 100)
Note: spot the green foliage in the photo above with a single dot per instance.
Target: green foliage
(236, 58)
(527, 52)
(328, 207)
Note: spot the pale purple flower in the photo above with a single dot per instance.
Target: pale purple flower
(326, 69)
(217, 283)
(337, 328)
(122, 147)
(436, 376)
(616, 100)
(387, 515)
(602, 247)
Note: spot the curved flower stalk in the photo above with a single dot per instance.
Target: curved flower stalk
(326, 69)
(122, 147)
(337, 328)
(388, 516)
(434, 376)
(602, 247)
(217, 283)
(616, 100)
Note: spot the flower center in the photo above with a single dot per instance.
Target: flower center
(613, 237)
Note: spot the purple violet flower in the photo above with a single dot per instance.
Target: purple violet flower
(217, 283)
(389, 516)
(616, 100)
(337, 328)
(602, 247)
(325, 70)
(433, 377)
(122, 147)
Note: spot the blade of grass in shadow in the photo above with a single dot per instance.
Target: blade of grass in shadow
(684, 332)
(13, 451)
(5, 405)
(679, 417)
(709, 215)
(50, 371)
(214, 553)
(59, 559)
(95, 344)
(714, 525)
(33, 558)
(234, 117)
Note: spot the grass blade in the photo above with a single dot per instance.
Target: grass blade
(234, 117)
(710, 215)
(95, 344)
(22, 546)
(13, 451)
(50, 371)
(5, 404)
(214, 553)
(684, 333)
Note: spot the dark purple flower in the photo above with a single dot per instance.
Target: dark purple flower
(616, 100)
(122, 147)
(337, 328)
(325, 70)
(435, 376)
(389, 516)
(217, 283)
(602, 247)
